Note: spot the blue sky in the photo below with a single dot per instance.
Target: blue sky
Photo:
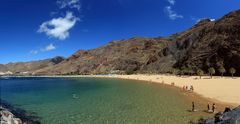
(40, 29)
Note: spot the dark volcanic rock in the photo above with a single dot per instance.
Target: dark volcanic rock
(231, 117)
(20, 113)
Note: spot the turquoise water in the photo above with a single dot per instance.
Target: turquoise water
(96, 101)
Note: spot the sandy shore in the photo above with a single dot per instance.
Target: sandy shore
(223, 89)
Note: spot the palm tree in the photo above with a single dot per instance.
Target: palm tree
(189, 71)
(200, 72)
(222, 70)
(176, 71)
(211, 71)
(232, 71)
(182, 71)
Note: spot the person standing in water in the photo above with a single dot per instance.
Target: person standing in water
(208, 107)
(184, 88)
(193, 106)
(213, 107)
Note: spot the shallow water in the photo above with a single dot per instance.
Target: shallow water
(96, 101)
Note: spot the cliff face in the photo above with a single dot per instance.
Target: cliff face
(207, 44)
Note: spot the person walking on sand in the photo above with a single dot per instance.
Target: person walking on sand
(213, 107)
(191, 88)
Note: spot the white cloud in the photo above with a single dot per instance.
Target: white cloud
(172, 14)
(73, 4)
(59, 27)
(172, 2)
(212, 20)
(48, 48)
(34, 51)
(200, 19)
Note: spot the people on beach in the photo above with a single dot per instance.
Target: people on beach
(210, 110)
(190, 89)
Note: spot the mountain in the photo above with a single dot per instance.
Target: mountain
(3, 68)
(206, 44)
(211, 44)
(30, 67)
(136, 54)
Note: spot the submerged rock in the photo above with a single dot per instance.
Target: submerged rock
(12, 115)
(6, 117)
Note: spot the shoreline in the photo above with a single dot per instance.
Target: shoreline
(218, 89)
(225, 91)
(200, 100)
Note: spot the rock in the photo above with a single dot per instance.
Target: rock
(15, 115)
(230, 117)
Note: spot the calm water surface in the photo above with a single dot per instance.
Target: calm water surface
(96, 101)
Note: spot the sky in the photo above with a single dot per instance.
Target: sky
(41, 29)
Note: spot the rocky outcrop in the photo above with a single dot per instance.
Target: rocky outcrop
(13, 115)
(231, 117)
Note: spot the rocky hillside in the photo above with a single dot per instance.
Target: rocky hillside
(211, 44)
(3, 68)
(206, 44)
(136, 54)
(29, 67)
